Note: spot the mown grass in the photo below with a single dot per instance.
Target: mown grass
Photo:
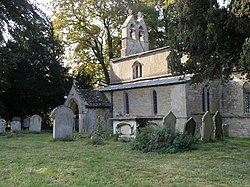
(35, 160)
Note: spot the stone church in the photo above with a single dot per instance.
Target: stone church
(142, 87)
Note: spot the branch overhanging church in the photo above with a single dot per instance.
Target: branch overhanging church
(142, 87)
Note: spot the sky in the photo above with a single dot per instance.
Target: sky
(44, 5)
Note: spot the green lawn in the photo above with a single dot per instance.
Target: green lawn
(35, 160)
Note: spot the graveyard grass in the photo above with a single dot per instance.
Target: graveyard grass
(34, 160)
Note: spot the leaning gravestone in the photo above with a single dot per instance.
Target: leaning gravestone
(63, 122)
(189, 126)
(2, 126)
(218, 134)
(15, 126)
(207, 127)
(35, 123)
(169, 121)
(26, 123)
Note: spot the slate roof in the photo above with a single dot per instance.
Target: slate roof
(147, 83)
(94, 98)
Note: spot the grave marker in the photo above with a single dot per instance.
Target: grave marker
(15, 126)
(35, 123)
(169, 121)
(2, 126)
(189, 126)
(26, 122)
(218, 134)
(63, 122)
(207, 127)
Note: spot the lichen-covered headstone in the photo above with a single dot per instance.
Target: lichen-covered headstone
(15, 126)
(169, 121)
(225, 128)
(2, 126)
(26, 122)
(63, 122)
(207, 127)
(218, 133)
(35, 123)
(189, 126)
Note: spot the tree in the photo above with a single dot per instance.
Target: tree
(14, 15)
(209, 36)
(241, 9)
(91, 31)
(18, 15)
(31, 58)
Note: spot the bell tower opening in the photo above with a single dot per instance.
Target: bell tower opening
(134, 36)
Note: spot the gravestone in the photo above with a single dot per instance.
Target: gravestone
(63, 122)
(15, 126)
(207, 127)
(189, 126)
(26, 122)
(2, 126)
(218, 133)
(16, 119)
(35, 123)
(225, 128)
(169, 121)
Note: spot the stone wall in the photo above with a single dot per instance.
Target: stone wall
(154, 64)
(232, 108)
(185, 101)
(194, 100)
(169, 98)
(227, 98)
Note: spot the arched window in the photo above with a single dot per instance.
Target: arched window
(206, 99)
(246, 97)
(137, 70)
(126, 103)
(155, 102)
(141, 33)
(132, 31)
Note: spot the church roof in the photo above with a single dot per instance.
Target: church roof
(147, 83)
(94, 98)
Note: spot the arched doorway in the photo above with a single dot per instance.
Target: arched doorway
(73, 105)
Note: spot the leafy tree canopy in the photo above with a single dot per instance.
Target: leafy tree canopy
(209, 36)
(33, 76)
(91, 31)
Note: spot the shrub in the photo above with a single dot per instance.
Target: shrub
(161, 140)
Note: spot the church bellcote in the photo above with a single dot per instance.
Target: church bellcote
(134, 36)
